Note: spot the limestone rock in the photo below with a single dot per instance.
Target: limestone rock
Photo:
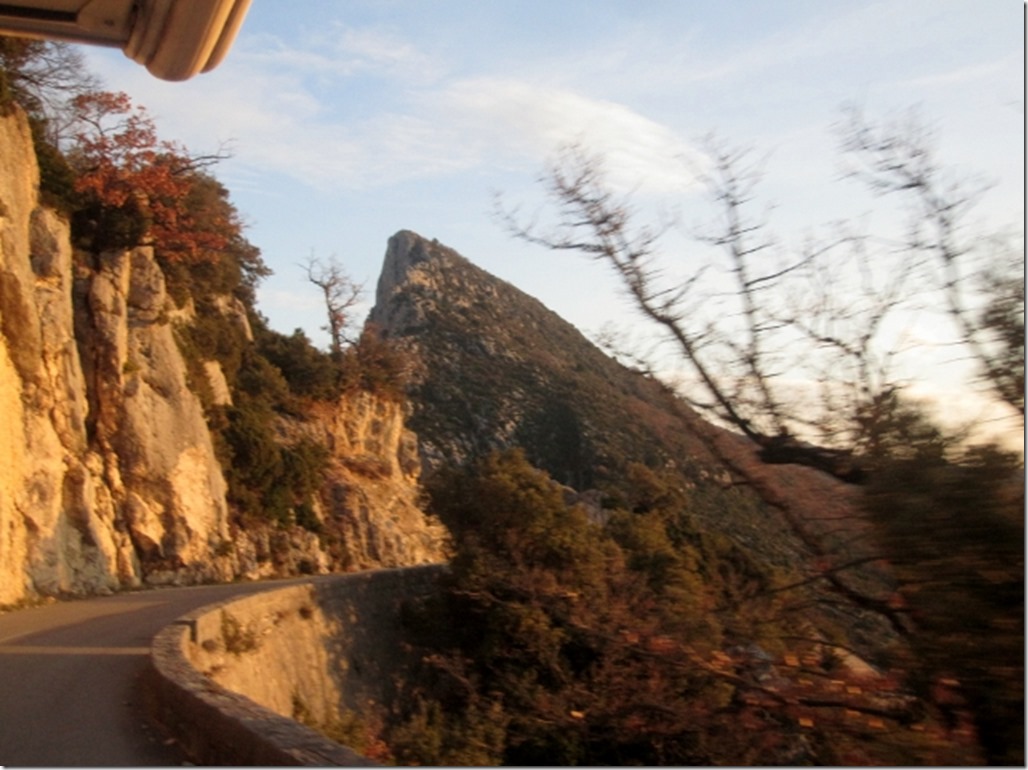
(108, 473)
(107, 462)
(371, 495)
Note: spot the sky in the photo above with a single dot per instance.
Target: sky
(349, 121)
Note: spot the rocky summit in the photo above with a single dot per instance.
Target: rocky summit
(495, 368)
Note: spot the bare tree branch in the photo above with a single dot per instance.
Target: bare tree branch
(341, 294)
(735, 353)
(897, 158)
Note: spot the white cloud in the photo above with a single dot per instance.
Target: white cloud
(519, 122)
(279, 122)
(272, 120)
(359, 107)
(981, 71)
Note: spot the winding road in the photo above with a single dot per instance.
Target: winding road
(69, 673)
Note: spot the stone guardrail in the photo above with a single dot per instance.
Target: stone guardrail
(335, 639)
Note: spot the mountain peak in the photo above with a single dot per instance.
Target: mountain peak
(409, 260)
(497, 368)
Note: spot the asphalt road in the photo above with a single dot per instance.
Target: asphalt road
(69, 674)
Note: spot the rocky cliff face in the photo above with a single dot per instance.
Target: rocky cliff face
(370, 498)
(108, 473)
(57, 527)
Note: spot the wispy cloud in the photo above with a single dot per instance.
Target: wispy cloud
(348, 107)
(830, 36)
(340, 51)
(518, 122)
(268, 100)
(971, 73)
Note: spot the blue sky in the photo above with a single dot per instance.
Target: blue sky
(351, 120)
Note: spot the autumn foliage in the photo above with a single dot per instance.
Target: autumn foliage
(647, 641)
(138, 188)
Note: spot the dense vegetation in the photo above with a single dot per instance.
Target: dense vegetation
(562, 654)
(953, 530)
(759, 593)
(651, 641)
(786, 580)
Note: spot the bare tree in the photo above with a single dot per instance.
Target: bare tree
(843, 330)
(897, 158)
(736, 353)
(751, 340)
(843, 304)
(591, 220)
(340, 293)
(833, 316)
(1000, 326)
(44, 77)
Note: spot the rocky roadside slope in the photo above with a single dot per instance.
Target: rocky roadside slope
(108, 472)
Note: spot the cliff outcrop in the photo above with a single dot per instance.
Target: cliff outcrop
(368, 507)
(109, 474)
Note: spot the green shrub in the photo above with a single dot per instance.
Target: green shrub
(97, 228)
(548, 619)
(238, 638)
(56, 177)
(308, 372)
(473, 737)
(954, 533)
(267, 478)
(376, 365)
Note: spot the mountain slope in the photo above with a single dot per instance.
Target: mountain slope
(767, 581)
(494, 368)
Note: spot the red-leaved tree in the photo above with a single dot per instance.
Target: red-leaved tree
(137, 188)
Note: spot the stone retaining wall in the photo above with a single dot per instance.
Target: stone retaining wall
(226, 679)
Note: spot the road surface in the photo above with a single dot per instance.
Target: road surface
(68, 676)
